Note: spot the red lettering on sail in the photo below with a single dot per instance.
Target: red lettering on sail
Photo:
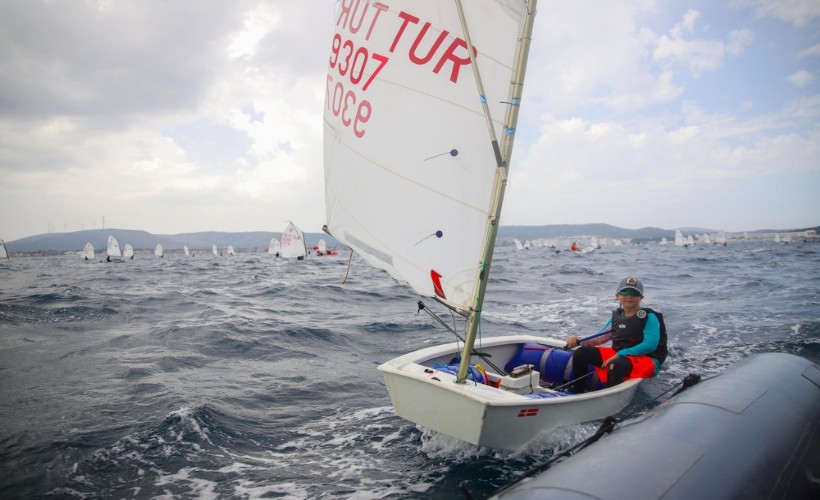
(449, 54)
(458, 62)
(437, 288)
(349, 10)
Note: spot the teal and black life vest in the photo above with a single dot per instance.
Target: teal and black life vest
(628, 331)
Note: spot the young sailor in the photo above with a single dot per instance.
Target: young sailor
(638, 338)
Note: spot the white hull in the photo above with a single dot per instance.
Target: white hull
(485, 415)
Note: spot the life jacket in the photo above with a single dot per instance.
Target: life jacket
(628, 331)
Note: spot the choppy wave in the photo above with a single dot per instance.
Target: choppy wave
(254, 377)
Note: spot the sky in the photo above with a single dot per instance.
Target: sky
(206, 115)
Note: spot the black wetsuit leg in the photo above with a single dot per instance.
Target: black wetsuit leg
(618, 371)
(581, 359)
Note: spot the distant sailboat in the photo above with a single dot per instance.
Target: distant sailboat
(593, 245)
(322, 248)
(112, 249)
(230, 250)
(128, 251)
(185, 249)
(4, 253)
(213, 250)
(88, 252)
(293, 242)
(274, 248)
(679, 239)
(158, 250)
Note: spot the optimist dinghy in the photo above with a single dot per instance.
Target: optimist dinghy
(418, 136)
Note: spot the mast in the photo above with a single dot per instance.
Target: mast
(510, 120)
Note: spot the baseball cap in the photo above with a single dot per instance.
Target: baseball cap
(630, 283)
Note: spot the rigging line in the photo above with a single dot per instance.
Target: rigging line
(483, 356)
(349, 260)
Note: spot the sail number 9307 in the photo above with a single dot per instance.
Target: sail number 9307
(351, 64)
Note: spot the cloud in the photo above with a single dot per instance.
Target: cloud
(698, 56)
(800, 78)
(812, 51)
(800, 13)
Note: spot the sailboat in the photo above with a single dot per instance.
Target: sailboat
(679, 239)
(112, 249)
(128, 251)
(4, 253)
(428, 127)
(88, 252)
(158, 250)
(230, 250)
(274, 248)
(293, 242)
(213, 250)
(321, 248)
(185, 249)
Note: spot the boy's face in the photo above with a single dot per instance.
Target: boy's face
(631, 300)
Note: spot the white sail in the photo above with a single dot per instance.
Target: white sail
(4, 253)
(435, 170)
(158, 251)
(185, 249)
(293, 242)
(128, 251)
(690, 240)
(113, 247)
(230, 250)
(321, 247)
(88, 252)
(679, 239)
(274, 247)
(213, 250)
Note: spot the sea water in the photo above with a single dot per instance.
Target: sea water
(249, 376)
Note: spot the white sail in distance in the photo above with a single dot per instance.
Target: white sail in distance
(293, 242)
(113, 247)
(88, 251)
(274, 247)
